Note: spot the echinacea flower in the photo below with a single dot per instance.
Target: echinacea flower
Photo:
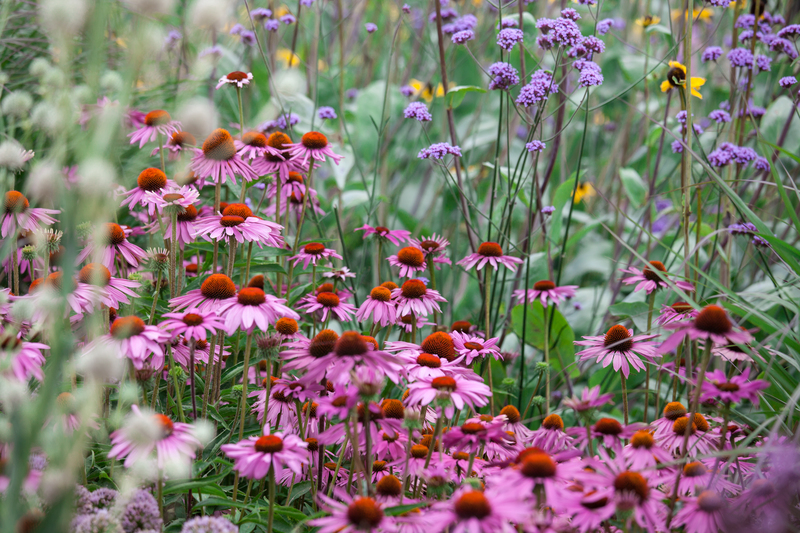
(236, 78)
(474, 434)
(492, 510)
(453, 392)
(144, 433)
(676, 78)
(546, 292)
(313, 145)
(24, 360)
(677, 312)
(621, 348)
(394, 236)
(590, 399)
(282, 163)
(18, 215)
(116, 243)
(328, 303)
(410, 260)
(156, 123)
(247, 228)
(717, 386)
(172, 200)
(150, 180)
(137, 341)
(414, 297)
(177, 143)
(473, 347)
(380, 306)
(711, 323)
(255, 456)
(653, 278)
(312, 253)
(215, 291)
(490, 253)
(193, 324)
(253, 145)
(110, 291)
(252, 308)
(348, 514)
(702, 514)
(217, 159)
(701, 439)
(643, 453)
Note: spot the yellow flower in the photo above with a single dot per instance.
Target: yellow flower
(704, 14)
(425, 90)
(287, 58)
(648, 20)
(584, 190)
(676, 77)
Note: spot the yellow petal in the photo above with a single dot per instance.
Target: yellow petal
(665, 86)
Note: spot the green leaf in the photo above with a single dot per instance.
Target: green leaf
(262, 267)
(400, 509)
(634, 186)
(562, 338)
(456, 95)
(629, 309)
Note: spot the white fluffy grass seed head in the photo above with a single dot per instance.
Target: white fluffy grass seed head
(17, 104)
(63, 17)
(198, 116)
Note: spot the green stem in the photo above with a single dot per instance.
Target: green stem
(624, 398)
(547, 361)
(155, 299)
(247, 346)
(271, 515)
(651, 304)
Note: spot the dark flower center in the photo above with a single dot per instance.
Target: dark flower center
(472, 428)
(728, 386)
(323, 343)
(694, 469)
(473, 505)
(389, 486)
(674, 410)
(608, 426)
(709, 501)
(157, 118)
(126, 327)
(649, 271)
(151, 179)
(462, 326)
(95, 274)
(219, 146)
(230, 221)
(314, 140)
(444, 383)
(676, 77)
(183, 138)
(429, 245)
(238, 210)
(553, 422)
(327, 299)
(192, 319)
(713, 319)
(490, 249)
(167, 427)
(350, 343)
(419, 451)
(429, 360)
(618, 339)
(251, 296)
(314, 248)
(381, 294)
(538, 465)
(413, 288)
(411, 256)
(642, 439)
(512, 414)
(15, 202)
(441, 344)
(236, 75)
(473, 346)
(188, 215)
(269, 444)
(115, 233)
(218, 287)
(286, 326)
(632, 482)
(544, 285)
(393, 409)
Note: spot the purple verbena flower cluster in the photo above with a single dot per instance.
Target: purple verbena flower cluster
(539, 88)
(504, 76)
(417, 111)
(439, 151)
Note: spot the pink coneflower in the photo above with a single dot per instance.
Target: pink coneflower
(202, 349)
(294, 185)
(473, 347)
(653, 278)
(303, 353)
(110, 291)
(278, 409)
(116, 243)
(253, 145)
(677, 312)
(663, 426)
(151, 180)
(406, 322)
(237, 78)
(144, 433)
(281, 163)
(252, 308)
(155, 123)
(551, 436)
(255, 456)
(216, 290)
(431, 246)
(137, 341)
(620, 347)
(394, 236)
(546, 292)
(18, 215)
(185, 227)
(380, 306)
(250, 229)
(414, 297)
(732, 352)
(490, 253)
(410, 260)
(701, 439)
(474, 434)
(312, 253)
(25, 358)
(339, 402)
(419, 365)
(718, 387)
(611, 433)
(218, 160)
(313, 145)
(538, 469)
(712, 323)
(454, 392)
(173, 199)
(193, 324)
(328, 303)
(512, 421)
(348, 514)
(643, 453)
(178, 142)
(697, 476)
(702, 514)
(493, 510)
(590, 399)
(339, 274)
(349, 351)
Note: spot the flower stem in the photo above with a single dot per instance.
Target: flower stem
(247, 346)
(173, 259)
(155, 299)
(271, 514)
(624, 398)
(192, 348)
(651, 303)
(547, 361)
(178, 399)
(161, 152)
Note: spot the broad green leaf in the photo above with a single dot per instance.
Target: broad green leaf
(634, 185)
(456, 95)
(562, 338)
